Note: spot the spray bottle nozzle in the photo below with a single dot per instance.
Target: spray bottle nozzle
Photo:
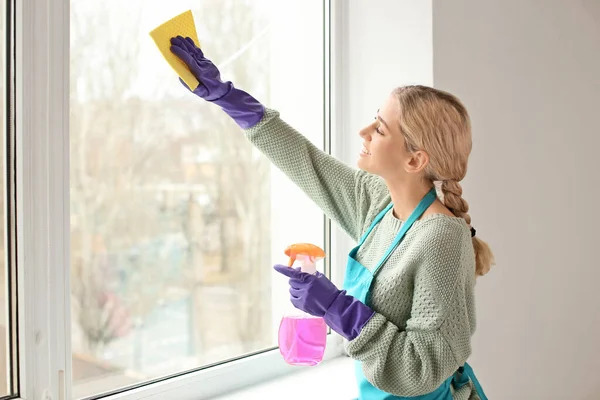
(306, 253)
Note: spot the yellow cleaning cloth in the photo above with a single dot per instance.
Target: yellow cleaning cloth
(182, 25)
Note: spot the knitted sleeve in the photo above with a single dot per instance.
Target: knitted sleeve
(416, 359)
(344, 194)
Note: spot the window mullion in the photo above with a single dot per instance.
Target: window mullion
(42, 85)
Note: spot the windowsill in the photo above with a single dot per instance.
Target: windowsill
(333, 379)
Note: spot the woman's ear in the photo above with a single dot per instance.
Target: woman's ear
(417, 162)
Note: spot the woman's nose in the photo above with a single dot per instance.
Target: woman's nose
(365, 132)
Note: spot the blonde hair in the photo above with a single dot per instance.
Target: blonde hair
(437, 123)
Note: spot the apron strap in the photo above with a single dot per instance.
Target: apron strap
(416, 214)
(378, 218)
(468, 371)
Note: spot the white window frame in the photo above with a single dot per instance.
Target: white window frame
(42, 121)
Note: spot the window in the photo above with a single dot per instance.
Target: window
(175, 219)
(147, 224)
(8, 283)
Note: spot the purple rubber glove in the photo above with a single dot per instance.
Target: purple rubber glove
(318, 296)
(245, 110)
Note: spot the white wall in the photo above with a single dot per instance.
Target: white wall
(528, 72)
(389, 44)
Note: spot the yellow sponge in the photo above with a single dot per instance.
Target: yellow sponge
(182, 25)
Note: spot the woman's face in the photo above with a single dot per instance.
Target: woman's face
(384, 152)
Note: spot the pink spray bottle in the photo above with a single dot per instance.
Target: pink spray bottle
(302, 337)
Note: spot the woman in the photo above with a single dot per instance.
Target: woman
(407, 307)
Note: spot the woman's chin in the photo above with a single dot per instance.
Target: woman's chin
(362, 164)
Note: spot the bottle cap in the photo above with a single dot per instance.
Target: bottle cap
(307, 249)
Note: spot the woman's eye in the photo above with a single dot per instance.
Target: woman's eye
(377, 127)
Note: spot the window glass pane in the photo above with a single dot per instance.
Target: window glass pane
(176, 220)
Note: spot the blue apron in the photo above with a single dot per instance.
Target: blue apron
(357, 282)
